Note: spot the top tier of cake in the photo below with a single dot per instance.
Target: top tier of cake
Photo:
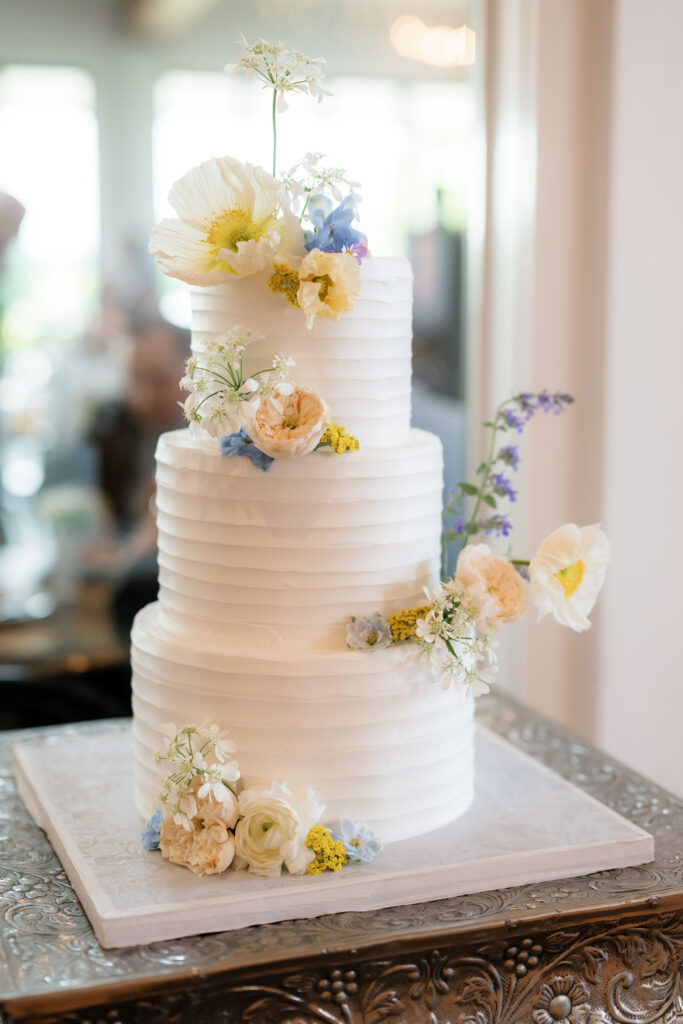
(360, 364)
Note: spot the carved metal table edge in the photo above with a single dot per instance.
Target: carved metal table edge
(456, 959)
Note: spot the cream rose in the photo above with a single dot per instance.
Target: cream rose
(272, 830)
(328, 284)
(493, 582)
(208, 847)
(288, 426)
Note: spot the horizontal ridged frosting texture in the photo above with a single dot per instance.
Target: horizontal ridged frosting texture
(360, 364)
(285, 557)
(378, 741)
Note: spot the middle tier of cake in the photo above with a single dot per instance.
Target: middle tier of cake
(287, 556)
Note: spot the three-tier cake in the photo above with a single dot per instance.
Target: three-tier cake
(260, 573)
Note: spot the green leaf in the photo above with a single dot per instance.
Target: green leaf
(469, 489)
(488, 423)
(490, 500)
(482, 467)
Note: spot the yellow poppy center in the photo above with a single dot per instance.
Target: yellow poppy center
(372, 638)
(229, 228)
(325, 282)
(290, 423)
(571, 577)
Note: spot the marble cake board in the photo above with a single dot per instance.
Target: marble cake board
(526, 824)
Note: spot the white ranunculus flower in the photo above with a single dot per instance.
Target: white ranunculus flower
(230, 222)
(567, 573)
(273, 826)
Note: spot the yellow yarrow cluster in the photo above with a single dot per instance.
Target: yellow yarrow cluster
(330, 854)
(403, 624)
(286, 280)
(338, 440)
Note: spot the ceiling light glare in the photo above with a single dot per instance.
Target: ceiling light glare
(441, 46)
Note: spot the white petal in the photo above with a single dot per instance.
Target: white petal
(199, 194)
(251, 256)
(282, 104)
(180, 251)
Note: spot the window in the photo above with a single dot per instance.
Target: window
(49, 162)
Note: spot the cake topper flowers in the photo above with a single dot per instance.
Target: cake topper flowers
(236, 220)
(283, 69)
(456, 626)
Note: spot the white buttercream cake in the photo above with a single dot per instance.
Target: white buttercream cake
(259, 574)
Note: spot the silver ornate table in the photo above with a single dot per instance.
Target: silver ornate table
(594, 950)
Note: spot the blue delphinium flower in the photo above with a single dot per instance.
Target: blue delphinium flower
(332, 228)
(523, 570)
(358, 841)
(241, 444)
(150, 837)
(502, 486)
(510, 456)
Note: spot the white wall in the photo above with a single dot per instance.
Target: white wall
(600, 89)
(641, 698)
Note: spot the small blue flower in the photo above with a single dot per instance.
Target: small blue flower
(333, 231)
(459, 524)
(525, 400)
(503, 487)
(510, 456)
(499, 525)
(359, 843)
(523, 571)
(241, 444)
(511, 419)
(150, 837)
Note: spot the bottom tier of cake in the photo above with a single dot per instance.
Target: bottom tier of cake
(377, 740)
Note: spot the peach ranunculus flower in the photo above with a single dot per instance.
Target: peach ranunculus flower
(209, 846)
(328, 284)
(288, 426)
(493, 582)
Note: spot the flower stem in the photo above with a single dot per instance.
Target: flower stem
(489, 462)
(274, 129)
(308, 196)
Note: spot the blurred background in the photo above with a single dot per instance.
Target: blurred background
(526, 155)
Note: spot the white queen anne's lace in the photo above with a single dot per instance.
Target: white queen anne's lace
(199, 766)
(450, 637)
(222, 400)
(282, 68)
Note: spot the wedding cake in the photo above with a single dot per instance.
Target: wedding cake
(305, 622)
(259, 574)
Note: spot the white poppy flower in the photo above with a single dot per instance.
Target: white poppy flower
(567, 573)
(228, 223)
